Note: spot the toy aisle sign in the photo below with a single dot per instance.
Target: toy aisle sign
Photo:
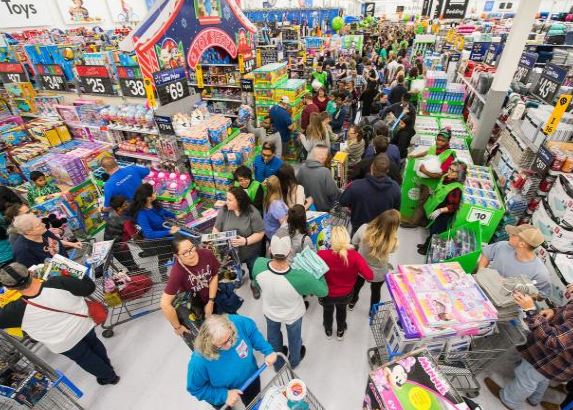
(12, 73)
(553, 121)
(52, 77)
(526, 64)
(25, 13)
(95, 79)
(551, 79)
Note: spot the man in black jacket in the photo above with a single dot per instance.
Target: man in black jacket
(362, 168)
(369, 197)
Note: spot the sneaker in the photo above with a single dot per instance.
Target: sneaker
(340, 335)
(256, 291)
(103, 382)
(302, 352)
(351, 305)
(328, 333)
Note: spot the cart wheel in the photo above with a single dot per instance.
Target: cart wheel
(107, 333)
(472, 395)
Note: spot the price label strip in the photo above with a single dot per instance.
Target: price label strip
(52, 77)
(12, 73)
(95, 79)
(131, 82)
(526, 64)
(553, 121)
(171, 85)
(548, 85)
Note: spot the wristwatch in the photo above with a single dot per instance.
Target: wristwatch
(211, 299)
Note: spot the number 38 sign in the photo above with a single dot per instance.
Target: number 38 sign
(171, 85)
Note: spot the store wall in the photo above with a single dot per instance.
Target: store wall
(22, 14)
(554, 6)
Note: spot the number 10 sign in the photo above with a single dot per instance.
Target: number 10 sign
(483, 216)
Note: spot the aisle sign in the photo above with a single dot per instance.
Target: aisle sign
(478, 51)
(12, 73)
(551, 79)
(171, 85)
(526, 64)
(164, 125)
(95, 79)
(455, 9)
(247, 85)
(553, 121)
(52, 77)
(131, 82)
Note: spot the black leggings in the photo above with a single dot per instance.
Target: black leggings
(375, 289)
(328, 306)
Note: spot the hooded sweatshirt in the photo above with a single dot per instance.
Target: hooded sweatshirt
(369, 197)
(318, 184)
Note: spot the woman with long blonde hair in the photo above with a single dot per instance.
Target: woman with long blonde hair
(345, 265)
(274, 207)
(375, 241)
(315, 133)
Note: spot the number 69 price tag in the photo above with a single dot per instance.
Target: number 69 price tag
(483, 216)
(171, 85)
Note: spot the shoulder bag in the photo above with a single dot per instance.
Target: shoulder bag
(96, 310)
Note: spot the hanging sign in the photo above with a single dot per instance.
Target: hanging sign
(247, 85)
(26, 13)
(494, 50)
(369, 9)
(95, 79)
(12, 73)
(478, 51)
(553, 121)
(164, 125)
(526, 64)
(543, 160)
(171, 85)
(551, 79)
(52, 77)
(131, 82)
(246, 65)
(488, 6)
(455, 9)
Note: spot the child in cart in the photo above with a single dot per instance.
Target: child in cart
(115, 230)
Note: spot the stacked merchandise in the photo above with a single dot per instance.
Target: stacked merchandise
(441, 97)
(174, 191)
(423, 42)
(269, 54)
(456, 245)
(222, 88)
(24, 387)
(22, 98)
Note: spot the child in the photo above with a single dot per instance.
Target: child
(40, 189)
(114, 230)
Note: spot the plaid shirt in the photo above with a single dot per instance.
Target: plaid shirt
(359, 81)
(549, 346)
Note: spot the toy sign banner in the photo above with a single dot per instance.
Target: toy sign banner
(12, 73)
(25, 13)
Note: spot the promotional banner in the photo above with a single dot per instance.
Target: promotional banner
(126, 11)
(455, 9)
(81, 12)
(25, 13)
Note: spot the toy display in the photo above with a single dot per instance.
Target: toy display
(462, 243)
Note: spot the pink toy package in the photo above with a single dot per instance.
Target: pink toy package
(470, 305)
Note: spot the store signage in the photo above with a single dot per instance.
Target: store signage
(171, 85)
(455, 9)
(164, 125)
(492, 53)
(208, 38)
(246, 65)
(560, 107)
(526, 64)
(131, 82)
(548, 85)
(481, 215)
(488, 6)
(95, 79)
(199, 76)
(543, 160)
(12, 73)
(25, 13)
(369, 9)
(455, 57)
(247, 85)
(479, 49)
(426, 8)
(52, 77)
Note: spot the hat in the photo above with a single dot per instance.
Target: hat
(280, 247)
(15, 276)
(446, 133)
(527, 233)
(285, 99)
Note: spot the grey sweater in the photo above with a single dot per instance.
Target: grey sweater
(318, 184)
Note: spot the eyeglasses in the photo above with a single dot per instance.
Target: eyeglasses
(453, 169)
(227, 342)
(189, 251)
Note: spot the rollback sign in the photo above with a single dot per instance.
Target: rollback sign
(209, 38)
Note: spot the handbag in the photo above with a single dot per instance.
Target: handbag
(96, 310)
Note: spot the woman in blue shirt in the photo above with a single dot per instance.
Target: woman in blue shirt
(150, 216)
(224, 359)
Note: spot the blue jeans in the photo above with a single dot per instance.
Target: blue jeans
(528, 383)
(275, 338)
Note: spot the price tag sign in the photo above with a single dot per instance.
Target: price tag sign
(52, 77)
(493, 52)
(548, 85)
(131, 82)
(247, 86)
(150, 92)
(553, 121)
(12, 73)
(526, 64)
(478, 51)
(543, 160)
(482, 215)
(95, 79)
(164, 124)
(171, 85)
(246, 66)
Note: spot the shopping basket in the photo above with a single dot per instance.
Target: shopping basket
(36, 383)
(281, 378)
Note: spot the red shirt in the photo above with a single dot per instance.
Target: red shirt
(320, 104)
(341, 277)
(446, 164)
(197, 279)
(305, 117)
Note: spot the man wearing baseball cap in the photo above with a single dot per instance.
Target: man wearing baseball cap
(282, 291)
(281, 120)
(517, 257)
(54, 312)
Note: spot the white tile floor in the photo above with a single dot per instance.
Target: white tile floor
(152, 361)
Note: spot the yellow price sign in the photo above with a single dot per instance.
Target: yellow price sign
(259, 58)
(149, 92)
(199, 75)
(241, 64)
(560, 107)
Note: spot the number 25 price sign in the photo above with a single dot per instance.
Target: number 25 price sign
(171, 85)
(551, 79)
(95, 79)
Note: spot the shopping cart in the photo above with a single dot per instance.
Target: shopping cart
(339, 216)
(281, 379)
(39, 385)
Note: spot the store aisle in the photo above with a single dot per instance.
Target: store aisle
(152, 361)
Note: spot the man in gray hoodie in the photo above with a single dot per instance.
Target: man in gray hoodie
(317, 180)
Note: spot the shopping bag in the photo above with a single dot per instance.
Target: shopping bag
(135, 287)
(97, 311)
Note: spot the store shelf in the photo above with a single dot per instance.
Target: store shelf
(550, 45)
(444, 102)
(216, 85)
(473, 90)
(218, 65)
(220, 99)
(132, 129)
(137, 155)
(80, 125)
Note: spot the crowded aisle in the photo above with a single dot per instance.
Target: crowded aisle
(208, 204)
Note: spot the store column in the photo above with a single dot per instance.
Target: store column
(512, 51)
